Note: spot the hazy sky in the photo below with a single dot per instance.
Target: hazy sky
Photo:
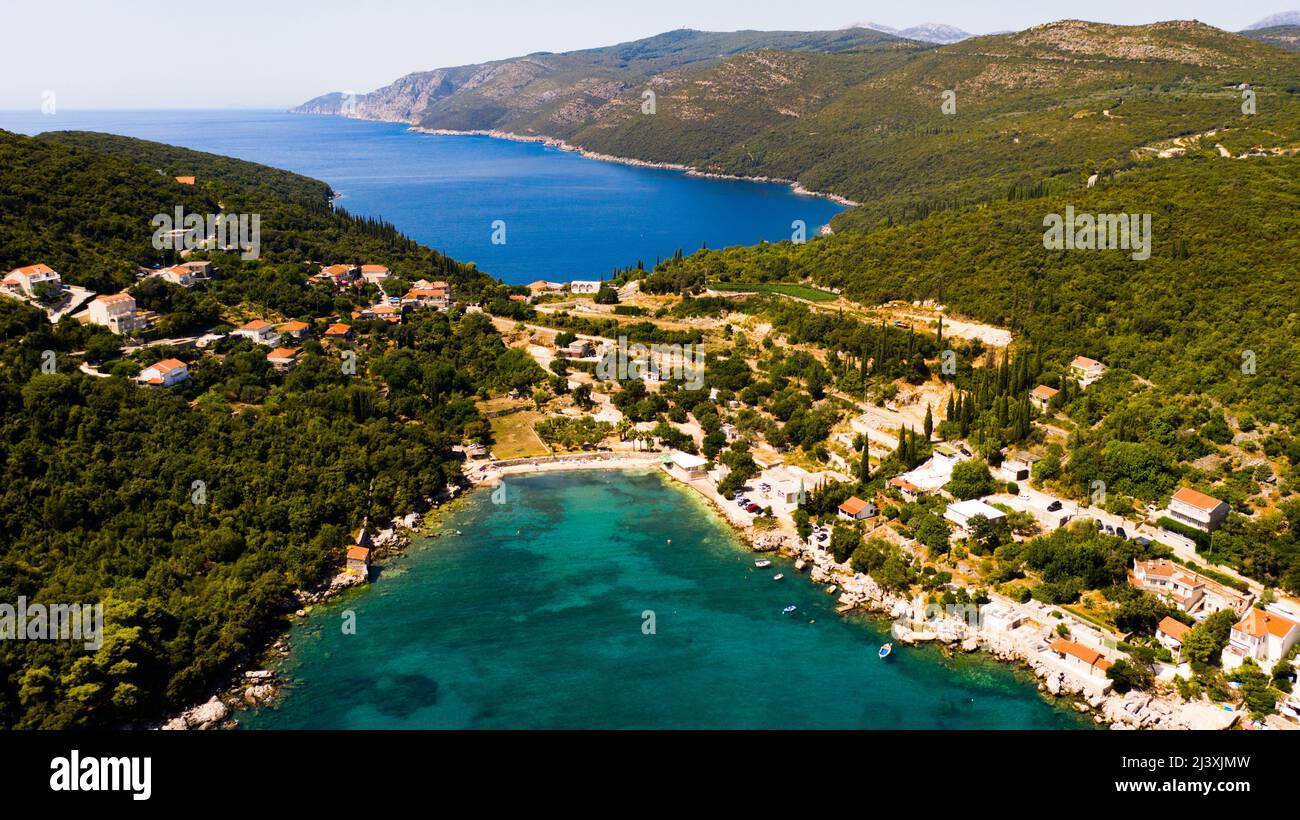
(276, 53)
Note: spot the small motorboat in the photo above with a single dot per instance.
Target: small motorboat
(778, 576)
(885, 650)
(762, 562)
(789, 609)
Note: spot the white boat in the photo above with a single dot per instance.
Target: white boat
(762, 562)
(789, 609)
(778, 576)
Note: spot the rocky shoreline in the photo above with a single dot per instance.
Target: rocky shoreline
(856, 592)
(1132, 710)
(260, 686)
(562, 145)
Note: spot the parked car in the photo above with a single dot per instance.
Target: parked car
(1120, 532)
(1054, 506)
(1142, 541)
(1110, 530)
(754, 508)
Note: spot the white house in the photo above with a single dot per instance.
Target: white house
(259, 330)
(729, 430)
(1018, 466)
(961, 512)
(116, 312)
(165, 373)
(1041, 396)
(1170, 633)
(1080, 658)
(998, 617)
(181, 275)
(1190, 591)
(855, 509)
(1086, 371)
(688, 466)
(1196, 509)
(24, 280)
(283, 358)
(584, 286)
(1263, 636)
(374, 274)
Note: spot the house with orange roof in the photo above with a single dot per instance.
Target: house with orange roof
(1190, 591)
(428, 294)
(338, 332)
(23, 281)
(1170, 632)
(182, 275)
(1197, 510)
(116, 312)
(907, 489)
(283, 359)
(338, 275)
(165, 373)
(1263, 636)
(855, 509)
(1041, 396)
(374, 274)
(359, 561)
(1086, 371)
(1079, 658)
(259, 331)
(294, 330)
(185, 180)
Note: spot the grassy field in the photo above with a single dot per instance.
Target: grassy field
(784, 288)
(514, 436)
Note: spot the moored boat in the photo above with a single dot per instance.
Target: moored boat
(885, 650)
(762, 562)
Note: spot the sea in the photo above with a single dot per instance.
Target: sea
(612, 599)
(521, 211)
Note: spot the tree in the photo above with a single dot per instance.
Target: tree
(844, 540)
(971, 479)
(1129, 675)
(1203, 644)
(928, 427)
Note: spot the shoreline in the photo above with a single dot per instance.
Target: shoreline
(860, 593)
(856, 593)
(554, 142)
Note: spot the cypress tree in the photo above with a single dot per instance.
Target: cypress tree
(929, 423)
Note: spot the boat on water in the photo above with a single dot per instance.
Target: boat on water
(762, 562)
(885, 650)
(789, 609)
(778, 576)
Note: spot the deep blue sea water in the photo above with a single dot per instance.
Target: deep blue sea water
(532, 618)
(565, 216)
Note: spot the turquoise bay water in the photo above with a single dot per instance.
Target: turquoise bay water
(566, 217)
(532, 618)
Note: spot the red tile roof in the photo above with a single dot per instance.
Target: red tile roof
(1083, 653)
(1173, 628)
(1259, 623)
(1197, 499)
(853, 505)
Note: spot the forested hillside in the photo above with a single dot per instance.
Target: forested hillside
(1029, 111)
(98, 475)
(1220, 279)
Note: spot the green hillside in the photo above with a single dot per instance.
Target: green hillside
(98, 473)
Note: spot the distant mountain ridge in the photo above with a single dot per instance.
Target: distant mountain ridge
(857, 112)
(1285, 18)
(1287, 37)
(550, 89)
(940, 33)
